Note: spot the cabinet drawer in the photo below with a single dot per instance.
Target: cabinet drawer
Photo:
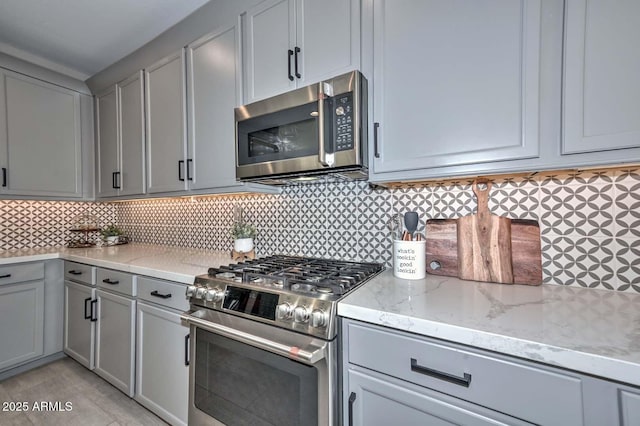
(79, 272)
(120, 282)
(165, 293)
(21, 272)
(497, 382)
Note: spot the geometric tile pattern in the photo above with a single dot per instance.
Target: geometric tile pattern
(28, 224)
(589, 220)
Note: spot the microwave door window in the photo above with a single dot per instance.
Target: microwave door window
(282, 135)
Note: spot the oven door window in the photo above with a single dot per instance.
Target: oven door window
(238, 384)
(282, 135)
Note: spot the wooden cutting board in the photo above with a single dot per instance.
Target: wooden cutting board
(458, 251)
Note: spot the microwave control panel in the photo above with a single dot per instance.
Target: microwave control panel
(343, 122)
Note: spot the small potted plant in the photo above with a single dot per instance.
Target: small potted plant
(243, 234)
(111, 234)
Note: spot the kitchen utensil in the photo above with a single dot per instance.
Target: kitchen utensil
(526, 259)
(411, 222)
(484, 242)
(395, 228)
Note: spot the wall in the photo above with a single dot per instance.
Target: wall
(28, 224)
(589, 220)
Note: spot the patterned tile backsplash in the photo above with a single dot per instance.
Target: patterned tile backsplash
(589, 220)
(29, 224)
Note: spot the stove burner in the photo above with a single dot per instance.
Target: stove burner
(299, 274)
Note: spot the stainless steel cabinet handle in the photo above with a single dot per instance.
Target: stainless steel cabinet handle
(462, 381)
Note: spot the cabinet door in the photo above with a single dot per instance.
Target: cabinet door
(629, 408)
(166, 135)
(456, 83)
(79, 329)
(21, 322)
(601, 67)
(43, 138)
(213, 91)
(328, 34)
(132, 140)
(371, 401)
(269, 35)
(108, 155)
(162, 374)
(115, 340)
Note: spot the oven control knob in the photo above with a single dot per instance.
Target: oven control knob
(340, 110)
(191, 290)
(284, 311)
(200, 291)
(218, 295)
(300, 314)
(210, 295)
(319, 318)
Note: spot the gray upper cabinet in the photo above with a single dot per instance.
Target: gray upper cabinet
(167, 168)
(131, 179)
(40, 138)
(293, 43)
(120, 142)
(107, 143)
(213, 85)
(453, 88)
(601, 98)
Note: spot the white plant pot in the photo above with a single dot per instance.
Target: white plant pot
(243, 245)
(113, 240)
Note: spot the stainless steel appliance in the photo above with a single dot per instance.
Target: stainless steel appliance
(311, 131)
(264, 346)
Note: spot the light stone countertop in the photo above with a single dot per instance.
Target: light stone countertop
(170, 263)
(591, 331)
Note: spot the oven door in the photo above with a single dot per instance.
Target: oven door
(247, 373)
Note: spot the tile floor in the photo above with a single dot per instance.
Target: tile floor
(92, 400)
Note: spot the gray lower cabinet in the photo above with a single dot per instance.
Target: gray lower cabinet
(452, 382)
(374, 399)
(116, 328)
(21, 314)
(79, 324)
(162, 371)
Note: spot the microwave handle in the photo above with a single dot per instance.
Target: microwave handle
(327, 159)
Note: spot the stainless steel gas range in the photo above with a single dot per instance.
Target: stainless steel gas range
(264, 346)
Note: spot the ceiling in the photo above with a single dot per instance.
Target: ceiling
(81, 37)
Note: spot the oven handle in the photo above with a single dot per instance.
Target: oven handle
(292, 352)
(325, 92)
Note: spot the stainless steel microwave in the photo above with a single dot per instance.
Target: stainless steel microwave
(309, 132)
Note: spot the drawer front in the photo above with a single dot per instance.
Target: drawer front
(21, 272)
(533, 394)
(120, 282)
(165, 293)
(79, 272)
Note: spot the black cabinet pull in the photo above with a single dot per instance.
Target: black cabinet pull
(189, 161)
(352, 399)
(297, 50)
(186, 349)
(94, 306)
(376, 153)
(4, 174)
(74, 272)
(86, 315)
(108, 281)
(115, 180)
(5, 276)
(462, 381)
(160, 295)
(180, 165)
(289, 64)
